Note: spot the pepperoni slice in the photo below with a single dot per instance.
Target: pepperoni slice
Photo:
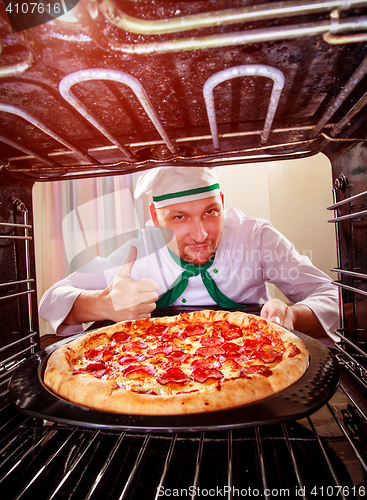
(170, 336)
(123, 360)
(136, 345)
(255, 369)
(294, 351)
(161, 349)
(266, 356)
(138, 371)
(157, 330)
(174, 374)
(203, 374)
(233, 363)
(211, 341)
(96, 369)
(251, 344)
(266, 340)
(238, 359)
(270, 340)
(255, 344)
(121, 337)
(232, 349)
(232, 332)
(108, 355)
(205, 363)
(94, 354)
(95, 366)
(209, 351)
(191, 330)
(178, 356)
(160, 362)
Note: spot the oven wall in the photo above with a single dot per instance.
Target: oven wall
(17, 270)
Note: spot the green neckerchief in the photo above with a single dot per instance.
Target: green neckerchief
(179, 285)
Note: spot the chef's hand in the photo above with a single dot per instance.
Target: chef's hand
(278, 312)
(296, 317)
(126, 298)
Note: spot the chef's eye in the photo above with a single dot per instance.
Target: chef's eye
(211, 211)
(179, 217)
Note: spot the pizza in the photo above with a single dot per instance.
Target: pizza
(190, 363)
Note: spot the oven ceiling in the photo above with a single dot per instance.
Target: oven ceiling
(141, 58)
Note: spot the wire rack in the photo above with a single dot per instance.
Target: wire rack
(321, 455)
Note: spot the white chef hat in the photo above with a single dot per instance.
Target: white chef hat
(170, 185)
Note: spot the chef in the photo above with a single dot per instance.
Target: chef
(195, 253)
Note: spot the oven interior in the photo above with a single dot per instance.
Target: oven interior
(130, 85)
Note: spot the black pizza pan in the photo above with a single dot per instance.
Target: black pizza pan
(30, 396)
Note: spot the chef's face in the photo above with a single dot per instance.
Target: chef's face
(198, 227)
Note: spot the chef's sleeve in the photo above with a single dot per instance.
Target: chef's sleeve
(298, 279)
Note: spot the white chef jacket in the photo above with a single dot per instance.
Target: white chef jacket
(250, 254)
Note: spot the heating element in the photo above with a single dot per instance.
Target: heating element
(188, 85)
(184, 83)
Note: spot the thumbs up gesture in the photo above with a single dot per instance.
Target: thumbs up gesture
(129, 298)
(124, 298)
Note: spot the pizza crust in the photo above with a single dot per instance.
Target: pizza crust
(86, 390)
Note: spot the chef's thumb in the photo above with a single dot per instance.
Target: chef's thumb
(125, 269)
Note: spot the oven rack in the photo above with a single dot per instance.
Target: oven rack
(17, 350)
(300, 457)
(352, 282)
(355, 364)
(24, 346)
(8, 236)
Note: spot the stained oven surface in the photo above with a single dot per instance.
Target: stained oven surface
(130, 85)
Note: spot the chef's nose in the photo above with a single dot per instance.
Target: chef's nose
(197, 232)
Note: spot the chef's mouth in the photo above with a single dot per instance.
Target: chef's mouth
(199, 248)
(201, 254)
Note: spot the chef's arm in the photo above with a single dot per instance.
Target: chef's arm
(123, 299)
(296, 317)
(314, 299)
(111, 304)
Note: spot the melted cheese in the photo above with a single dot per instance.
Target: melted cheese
(161, 362)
